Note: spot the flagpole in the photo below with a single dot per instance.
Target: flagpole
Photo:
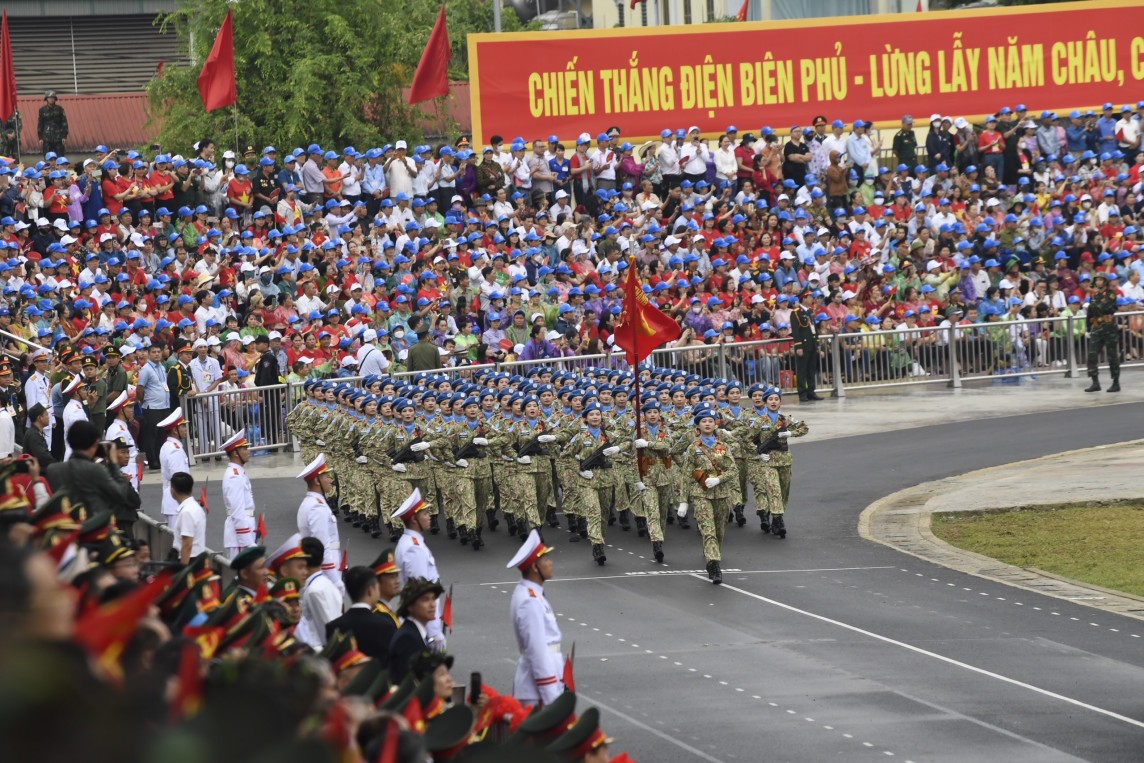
(636, 348)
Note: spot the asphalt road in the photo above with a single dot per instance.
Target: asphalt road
(821, 646)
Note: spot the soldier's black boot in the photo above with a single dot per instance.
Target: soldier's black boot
(598, 553)
(375, 531)
(463, 533)
(670, 518)
(573, 528)
(740, 520)
(1095, 386)
(583, 522)
(358, 519)
(395, 533)
(551, 518)
(511, 524)
(493, 521)
(657, 550)
(684, 523)
(450, 529)
(641, 527)
(475, 537)
(434, 527)
(1115, 386)
(714, 573)
(778, 526)
(765, 521)
(625, 520)
(522, 531)
(611, 517)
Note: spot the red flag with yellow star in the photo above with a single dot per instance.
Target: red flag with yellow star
(642, 326)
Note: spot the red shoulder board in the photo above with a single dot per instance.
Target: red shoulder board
(178, 446)
(415, 543)
(532, 593)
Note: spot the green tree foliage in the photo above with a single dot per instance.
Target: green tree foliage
(325, 71)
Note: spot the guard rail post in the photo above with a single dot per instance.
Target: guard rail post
(188, 414)
(1071, 340)
(836, 361)
(722, 360)
(954, 371)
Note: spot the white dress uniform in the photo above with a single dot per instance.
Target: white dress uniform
(316, 520)
(540, 668)
(118, 428)
(172, 460)
(38, 389)
(321, 602)
(238, 532)
(73, 412)
(414, 560)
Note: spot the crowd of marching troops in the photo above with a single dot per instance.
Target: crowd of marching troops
(551, 440)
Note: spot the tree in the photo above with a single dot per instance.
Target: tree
(310, 71)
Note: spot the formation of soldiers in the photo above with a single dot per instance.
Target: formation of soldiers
(554, 441)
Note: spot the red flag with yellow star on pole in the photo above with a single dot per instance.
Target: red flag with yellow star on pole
(642, 326)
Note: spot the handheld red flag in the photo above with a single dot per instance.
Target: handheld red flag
(569, 681)
(414, 716)
(447, 610)
(217, 85)
(203, 499)
(742, 14)
(432, 76)
(7, 74)
(139, 470)
(104, 631)
(633, 3)
(345, 565)
(642, 326)
(189, 694)
(261, 528)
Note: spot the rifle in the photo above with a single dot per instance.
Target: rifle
(406, 455)
(533, 447)
(597, 460)
(469, 450)
(774, 442)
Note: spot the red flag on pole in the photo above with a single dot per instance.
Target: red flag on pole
(203, 499)
(633, 3)
(432, 76)
(569, 681)
(345, 565)
(261, 528)
(139, 470)
(103, 632)
(7, 74)
(742, 14)
(447, 610)
(920, 9)
(216, 81)
(189, 694)
(642, 326)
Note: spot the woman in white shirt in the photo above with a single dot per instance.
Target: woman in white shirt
(726, 164)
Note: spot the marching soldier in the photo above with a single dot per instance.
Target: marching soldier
(407, 446)
(238, 497)
(594, 449)
(654, 450)
(530, 485)
(315, 520)
(772, 467)
(712, 468)
(469, 440)
(734, 419)
(540, 668)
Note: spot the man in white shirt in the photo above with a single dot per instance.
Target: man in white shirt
(237, 495)
(190, 524)
(603, 159)
(400, 170)
(370, 359)
(322, 601)
(206, 373)
(668, 157)
(693, 156)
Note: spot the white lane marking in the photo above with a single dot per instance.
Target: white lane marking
(936, 656)
(666, 737)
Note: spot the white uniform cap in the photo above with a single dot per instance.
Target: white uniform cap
(410, 506)
(314, 468)
(531, 550)
(172, 420)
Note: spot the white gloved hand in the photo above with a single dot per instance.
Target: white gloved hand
(524, 460)
(480, 441)
(711, 482)
(417, 447)
(546, 438)
(784, 435)
(587, 474)
(362, 460)
(462, 463)
(399, 468)
(320, 443)
(640, 487)
(682, 510)
(641, 443)
(764, 457)
(611, 450)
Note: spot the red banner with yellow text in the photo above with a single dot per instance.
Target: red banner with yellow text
(876, 68)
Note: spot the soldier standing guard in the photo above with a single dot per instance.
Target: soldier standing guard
(804, 332)
(1102, 332)
(415, 560)
(541, 665)
(52, 128)
(316, 520)
(172, 460)
(712, 468)
(237, 496)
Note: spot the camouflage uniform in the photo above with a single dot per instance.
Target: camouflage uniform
(713, 504)
(475, 483)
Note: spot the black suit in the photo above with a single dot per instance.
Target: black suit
(372, 631)
(406, 644)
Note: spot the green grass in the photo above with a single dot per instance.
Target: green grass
(1099, 544)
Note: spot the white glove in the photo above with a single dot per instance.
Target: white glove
(784, 435)
(641, 443)
(711, 482)
(764, 457)
(480, 441)
(399, 468)
(546, 438)
(682, 510)
(612, 450)
(417, 447)
(587, 474)
(640, 487)
(362, 460)
(524, 460)
(462, 463)
(320, 443)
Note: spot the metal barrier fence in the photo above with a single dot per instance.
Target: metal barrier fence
(1002, 350)
(161, 541)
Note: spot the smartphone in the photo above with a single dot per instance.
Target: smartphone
(474, 688)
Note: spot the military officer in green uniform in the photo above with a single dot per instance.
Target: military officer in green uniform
(1103, 333)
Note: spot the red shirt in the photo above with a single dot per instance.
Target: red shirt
(112, 187)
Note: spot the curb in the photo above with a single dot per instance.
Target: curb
(902, 521)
